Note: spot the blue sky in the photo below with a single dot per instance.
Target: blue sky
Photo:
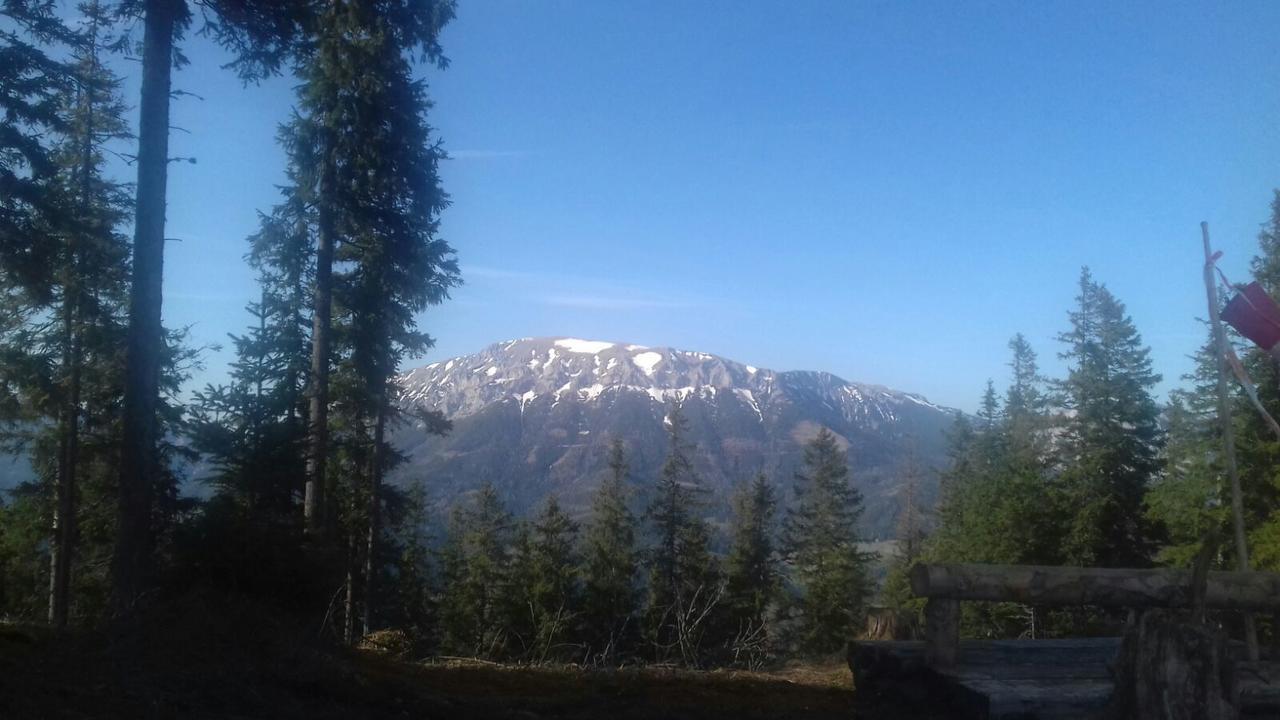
(884, 190)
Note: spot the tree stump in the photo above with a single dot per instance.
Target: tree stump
(1170, 668)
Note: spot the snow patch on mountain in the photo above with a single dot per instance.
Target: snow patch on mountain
(647, 361)
(586, 347)
(536, 416)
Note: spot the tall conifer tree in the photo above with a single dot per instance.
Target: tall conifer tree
(1112, 438)
(474, 567)
(611, 563)
(261, 34)
(683, 575)
(753, 577)
(822, 547)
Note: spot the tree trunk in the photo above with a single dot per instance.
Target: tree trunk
(64, 523)
(375, 483)
(131, 560)
(349, 603)
(318, 440)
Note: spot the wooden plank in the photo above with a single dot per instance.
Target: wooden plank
(1107, 587)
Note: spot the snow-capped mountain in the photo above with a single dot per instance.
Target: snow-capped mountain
(535, 416)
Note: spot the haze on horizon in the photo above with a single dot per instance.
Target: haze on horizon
(883, 191)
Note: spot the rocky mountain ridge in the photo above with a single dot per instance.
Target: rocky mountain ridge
(535, 416)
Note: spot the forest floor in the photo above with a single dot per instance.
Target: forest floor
(47, 678)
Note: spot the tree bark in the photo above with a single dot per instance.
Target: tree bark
(349, 603)
(375, 484)
(131, 560)
(318, 437)
(64, 523)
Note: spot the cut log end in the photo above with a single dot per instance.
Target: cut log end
(1172, 669)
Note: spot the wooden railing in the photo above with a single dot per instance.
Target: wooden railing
(945, 586)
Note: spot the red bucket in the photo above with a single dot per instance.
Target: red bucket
(1254, 315)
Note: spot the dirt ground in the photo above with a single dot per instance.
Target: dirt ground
(44, 678)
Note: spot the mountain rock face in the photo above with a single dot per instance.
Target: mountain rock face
(536, 416)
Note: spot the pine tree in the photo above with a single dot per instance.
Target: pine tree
(361, 155)
(821, 540)
(754, 573)
(1025, 409)
(1112, 438)
(365, 160)
(92, 276)
(610, 564)
(474, 566)
(1186, 500)
(911, 539)
(61, 332)
(1258, 450)
(416, 607)
(32, 88)
(684, 586)
(546, 584)
(261, 34)
(998, 504)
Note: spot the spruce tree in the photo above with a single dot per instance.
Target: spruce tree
(365, 161)
(1258, 450)
(821, 541)
(1111, 440)
(910, 539)
(753, 570)
(91, 276)
(61, 332)
(417, 611)
(1025, 410)
(998, 504)
(684, 586)
(33, 88)
(610, 564)
(546, 584)
(473, 565)
(261, 34)
(1187, 500)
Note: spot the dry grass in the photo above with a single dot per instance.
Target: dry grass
(222, 673)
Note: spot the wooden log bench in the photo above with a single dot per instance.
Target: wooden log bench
(1047, 678)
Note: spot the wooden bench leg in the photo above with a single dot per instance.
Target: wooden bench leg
(942, 632)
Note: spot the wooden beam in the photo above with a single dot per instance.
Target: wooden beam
(942, 632)
(1104, 587)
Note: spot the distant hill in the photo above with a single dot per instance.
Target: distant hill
(535, 417)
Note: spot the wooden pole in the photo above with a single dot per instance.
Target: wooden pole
(942, 632)
(1228, 434)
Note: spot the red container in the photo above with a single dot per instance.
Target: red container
(1254, 315)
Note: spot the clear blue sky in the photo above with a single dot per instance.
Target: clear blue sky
(885, 190)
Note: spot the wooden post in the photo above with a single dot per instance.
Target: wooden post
(1228, 434)
(942, 632)
(1275, 636)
